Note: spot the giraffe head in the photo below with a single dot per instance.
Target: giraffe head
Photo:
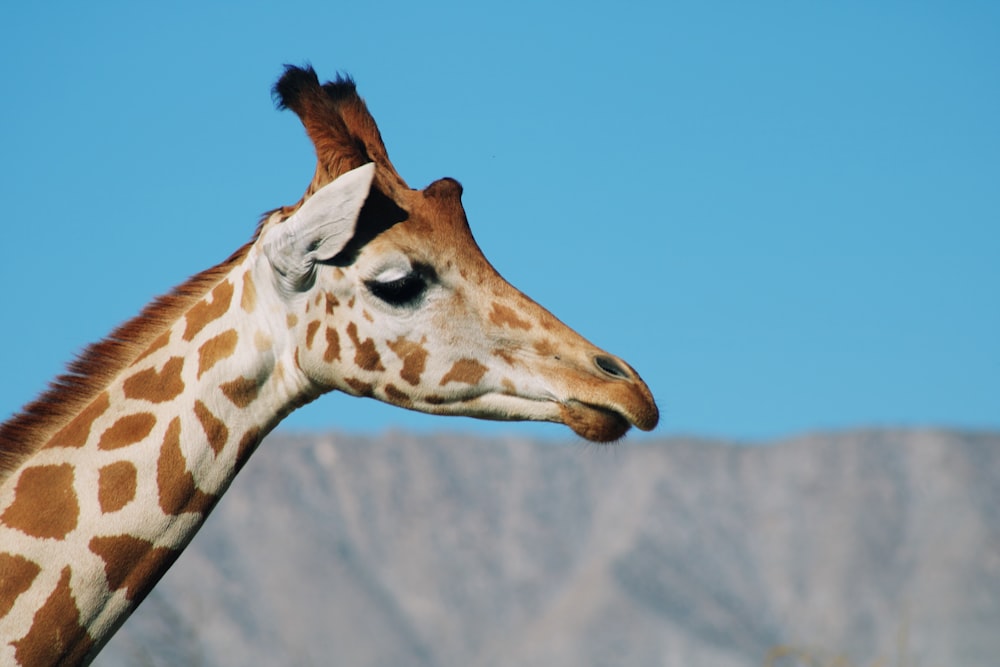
(386, 294)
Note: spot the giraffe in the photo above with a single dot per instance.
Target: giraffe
(364, 286)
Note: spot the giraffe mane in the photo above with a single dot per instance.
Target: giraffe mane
(94, 369)
(345, 137)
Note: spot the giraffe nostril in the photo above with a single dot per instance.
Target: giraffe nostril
(612, 367)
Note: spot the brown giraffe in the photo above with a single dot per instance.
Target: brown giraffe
(364, 286)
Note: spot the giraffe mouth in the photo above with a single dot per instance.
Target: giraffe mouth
(599, 423)
(608, 423)
(596, 423)
(593, 422)
(599, 405)
(604, 410)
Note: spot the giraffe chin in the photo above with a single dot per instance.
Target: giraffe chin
(593, 423)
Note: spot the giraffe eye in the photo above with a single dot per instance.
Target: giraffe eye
(403, 291)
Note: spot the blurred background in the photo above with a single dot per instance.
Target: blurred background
(785, 216)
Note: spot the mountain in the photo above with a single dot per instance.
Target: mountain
(876, 547)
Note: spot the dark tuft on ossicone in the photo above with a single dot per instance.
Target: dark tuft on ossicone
(340, 88)
(287, 91)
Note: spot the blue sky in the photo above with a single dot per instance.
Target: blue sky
(785, 215)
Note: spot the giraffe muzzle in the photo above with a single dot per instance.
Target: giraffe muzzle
(616, 399)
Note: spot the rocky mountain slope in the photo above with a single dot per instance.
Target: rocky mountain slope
(872, 547)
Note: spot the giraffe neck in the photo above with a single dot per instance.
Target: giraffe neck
(97, 514)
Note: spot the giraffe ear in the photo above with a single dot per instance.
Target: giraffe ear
(319, 229)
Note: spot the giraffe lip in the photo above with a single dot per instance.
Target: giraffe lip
(647, 418)
(597, 423)
(610, 419)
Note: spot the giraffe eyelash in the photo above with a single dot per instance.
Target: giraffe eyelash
(404, 291)
(390, 274)
(400, 288)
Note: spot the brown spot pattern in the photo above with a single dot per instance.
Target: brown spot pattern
(156, 387)
(241, 391)
(247, 444)
(505, 355)
(214, 350)
(76, 433)
(248, 299)
(18, 575)
(332, 351)
(215, 429)
(262, 341)
(56, 636)
(204, 312)
(545, 348)
(116, 485)
(291, 320)
(466, 371)
(45, 503)
(127, 431)
(414, 357)
(158, 344)
(365, 354)
(502, 316)
(131, 563)
(331, 303)
(394, 393)
(359, 387)
(177, 490)
(311, 333)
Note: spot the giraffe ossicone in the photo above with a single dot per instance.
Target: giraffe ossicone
(364, 286)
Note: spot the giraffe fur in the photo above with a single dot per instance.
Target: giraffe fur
(363, 286)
